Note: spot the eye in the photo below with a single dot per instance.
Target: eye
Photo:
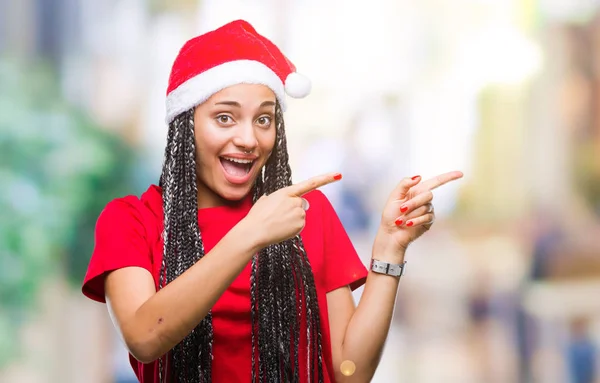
(264, 121)
(224, 119)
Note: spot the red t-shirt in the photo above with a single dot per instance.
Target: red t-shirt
(128, 233)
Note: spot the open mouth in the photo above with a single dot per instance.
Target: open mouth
(235, 166)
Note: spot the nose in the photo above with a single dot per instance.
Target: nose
(245, 137)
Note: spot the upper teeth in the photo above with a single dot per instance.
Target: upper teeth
(238, 160)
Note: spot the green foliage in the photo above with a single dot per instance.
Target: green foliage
(57, 171)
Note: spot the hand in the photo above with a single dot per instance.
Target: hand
(408, 214)
(280, 215)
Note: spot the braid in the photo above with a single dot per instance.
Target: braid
(279, 271)
(190, 360)
(279, 316)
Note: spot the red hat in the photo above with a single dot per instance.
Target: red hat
(232, 54)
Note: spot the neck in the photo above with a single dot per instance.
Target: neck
(208, 198)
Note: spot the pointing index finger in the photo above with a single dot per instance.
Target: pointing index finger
(313, 183)
(438, 181)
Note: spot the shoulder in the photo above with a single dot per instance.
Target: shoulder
(320, 214)
(321, 207)
(132, 210)
(121, 207)
(125, 235)
(121, 210)
(318, 200)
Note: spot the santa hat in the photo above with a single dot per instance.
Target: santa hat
(232, 54)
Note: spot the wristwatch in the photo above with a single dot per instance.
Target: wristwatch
(393, 269)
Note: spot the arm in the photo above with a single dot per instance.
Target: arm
(151, 323)
(358, 335)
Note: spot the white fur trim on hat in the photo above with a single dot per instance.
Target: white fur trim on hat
(200, 88)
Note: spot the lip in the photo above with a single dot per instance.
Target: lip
(240, 156)
(241, 180)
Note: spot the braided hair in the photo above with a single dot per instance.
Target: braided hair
(279, 271)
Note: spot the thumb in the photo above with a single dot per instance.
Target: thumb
(402, 189)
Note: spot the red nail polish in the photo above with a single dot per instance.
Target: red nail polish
(403, 209)
(399, 222)
(415, 177)
(337, 177)
(409, 223)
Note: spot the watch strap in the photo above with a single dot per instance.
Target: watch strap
(392, 269)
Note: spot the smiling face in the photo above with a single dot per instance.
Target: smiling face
(234, 134)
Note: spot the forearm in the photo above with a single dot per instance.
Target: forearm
(174, 311)
(369, 326)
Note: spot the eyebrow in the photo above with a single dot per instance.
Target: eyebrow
(237, 104)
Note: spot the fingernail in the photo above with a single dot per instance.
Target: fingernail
(399, 222)
(415, 177)
(403, 209)
(337, 176)
(409, 223)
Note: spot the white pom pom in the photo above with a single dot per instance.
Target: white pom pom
(297, 85)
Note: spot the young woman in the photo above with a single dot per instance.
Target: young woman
(225, 271)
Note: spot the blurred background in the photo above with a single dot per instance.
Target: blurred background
(505, 288)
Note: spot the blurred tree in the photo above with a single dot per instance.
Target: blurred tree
(587, 172)
(161, 6)
(57, 171)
